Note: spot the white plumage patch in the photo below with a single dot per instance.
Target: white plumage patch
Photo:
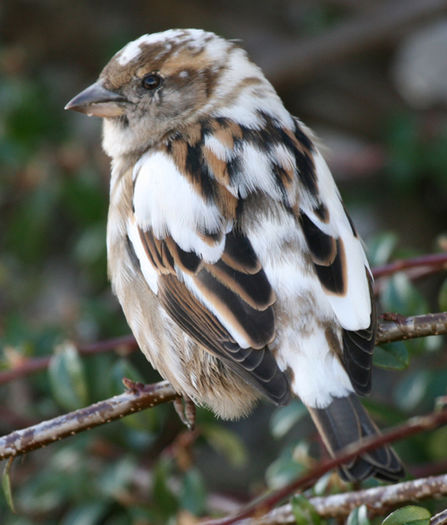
(318, 375)
(353, 310)
(165, 201)
(148, 270)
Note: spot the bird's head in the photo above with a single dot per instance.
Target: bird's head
(161, 83)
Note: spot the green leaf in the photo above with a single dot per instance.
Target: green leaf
(392, 356)
(436, 444)
(303, 511)
(285, 418)
(411, 390)
(400, 295)
(286, 467)
(409, 514)
(117, 476)
(87, 514)
(165, 500)
(442, 297)
(6, 484)
(381, 247)
(226, 442)
(67, 377)
(358, 516)
(193, 493)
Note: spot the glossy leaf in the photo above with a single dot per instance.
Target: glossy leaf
(358, 516)
(6, 484)
(226, 442)
(87, 514)
(411, 390)
(303, 511)
(285, 418)
(166, 501)
(400, 295)
(392, 356)
(411, 514)
(286, 467)
(67, 377)
(193, 493)
(381, 247)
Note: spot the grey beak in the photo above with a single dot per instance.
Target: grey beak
(98, 101)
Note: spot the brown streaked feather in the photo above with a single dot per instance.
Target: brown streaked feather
(239, 254)
(257, 367)
(254, 289)
(238, 290)
(256, 326)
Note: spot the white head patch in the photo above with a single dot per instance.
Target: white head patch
(197, 38)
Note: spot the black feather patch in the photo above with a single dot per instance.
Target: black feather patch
(239, 254)
(257, 367)
(256, 325)
(333, 277)
(254, 289)
(358, 350)
(197, 168)
(321, 245)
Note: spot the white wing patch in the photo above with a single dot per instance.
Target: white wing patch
(165, 201)
(148, 270)
(353, 310)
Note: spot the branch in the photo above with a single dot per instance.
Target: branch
(436, 260)
(398, 328)
(376, 499)
(388, 330)
(46, 432)
(262, 505)
(439, 519)
(37, 364)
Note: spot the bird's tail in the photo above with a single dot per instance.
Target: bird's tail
(345, 421)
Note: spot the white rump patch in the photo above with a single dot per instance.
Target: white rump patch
(318, 376)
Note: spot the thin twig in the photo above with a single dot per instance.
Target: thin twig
(439, 519)
(37, 364)
(262, 505)
(435, 260)
(37, 436)
(388, 330)
(377, 500)
(403, 328)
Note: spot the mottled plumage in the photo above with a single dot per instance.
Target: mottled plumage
(238, 269)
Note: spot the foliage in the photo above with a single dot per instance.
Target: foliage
(53, 290)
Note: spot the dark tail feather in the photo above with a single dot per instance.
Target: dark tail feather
(345, 421)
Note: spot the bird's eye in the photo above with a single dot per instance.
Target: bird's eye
(151, 81)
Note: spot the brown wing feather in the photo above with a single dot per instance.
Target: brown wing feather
(242, 296)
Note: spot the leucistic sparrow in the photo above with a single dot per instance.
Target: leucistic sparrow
(237, 267)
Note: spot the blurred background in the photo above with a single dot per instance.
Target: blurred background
(370, 77)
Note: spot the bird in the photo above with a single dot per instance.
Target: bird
(236, 264)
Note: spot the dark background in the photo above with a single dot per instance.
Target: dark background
(370, 77)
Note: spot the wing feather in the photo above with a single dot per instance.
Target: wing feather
(224, 301)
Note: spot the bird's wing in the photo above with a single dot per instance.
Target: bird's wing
(203, 270)
(340, 263)
(283, 163)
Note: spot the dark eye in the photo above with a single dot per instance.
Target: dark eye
(151, 81)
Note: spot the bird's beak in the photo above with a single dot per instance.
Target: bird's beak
(98, 101)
